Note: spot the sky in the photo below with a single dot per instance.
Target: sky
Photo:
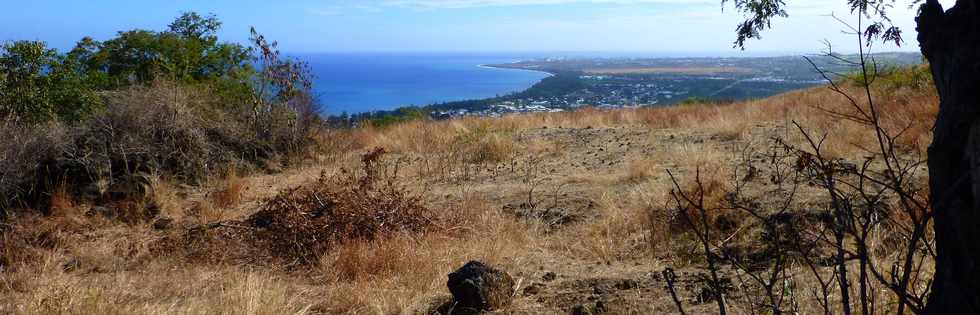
(306, 26)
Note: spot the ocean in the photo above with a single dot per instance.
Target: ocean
(365, 82)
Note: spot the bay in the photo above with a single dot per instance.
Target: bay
(365, 82)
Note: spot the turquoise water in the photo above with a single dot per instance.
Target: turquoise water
(364, 82)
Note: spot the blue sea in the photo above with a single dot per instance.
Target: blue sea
(365, 82)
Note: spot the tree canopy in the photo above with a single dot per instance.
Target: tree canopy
(39, 83)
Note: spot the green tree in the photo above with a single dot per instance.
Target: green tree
(193, 25)
(23, 93)
(188, 51)
(39, 84)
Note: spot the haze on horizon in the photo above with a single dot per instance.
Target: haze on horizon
(305, 26)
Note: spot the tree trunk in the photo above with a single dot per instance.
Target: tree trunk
(951, 42)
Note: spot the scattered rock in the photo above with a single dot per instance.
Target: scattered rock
(71, 265)
(446, 306)
(598, 290)
(598, 307)
(99, 210)
(555, 215)
(549, 276)
(627, 284)
(480, 287)
(533, 289)
(163, 224)
(95, 191)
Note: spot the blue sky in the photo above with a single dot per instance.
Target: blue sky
(671, 26)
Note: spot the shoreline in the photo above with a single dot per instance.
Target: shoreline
(486, 66)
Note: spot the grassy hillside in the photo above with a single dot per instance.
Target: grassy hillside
(370, 220)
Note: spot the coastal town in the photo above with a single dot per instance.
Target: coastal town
(623, 83)
(630, 82)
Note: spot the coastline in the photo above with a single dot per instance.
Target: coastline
(348, 84)
(487, 66)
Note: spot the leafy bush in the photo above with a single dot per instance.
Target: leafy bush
(177, 103)
(37, 84)
(915, 77)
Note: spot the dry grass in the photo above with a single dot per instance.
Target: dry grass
(231, 194)
(678, 70)
(640, 169)
(61, 198)
(68, 262)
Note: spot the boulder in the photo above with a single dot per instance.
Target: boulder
(550, 276)
(480, 287)
(599, 307)
(163, 224)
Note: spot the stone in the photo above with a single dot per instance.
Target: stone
(163, 224)
(99, 210)
(480, 287)
(549, 276)
(627, 284)
(598, 307)
(533, 289)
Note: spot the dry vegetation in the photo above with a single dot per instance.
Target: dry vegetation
(584, 195)
(678, 70)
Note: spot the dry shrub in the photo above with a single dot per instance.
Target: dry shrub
(23, 151)
(179, 132)
(472, 145)
(640, 169)
(145, 129)
(490, 149)
(303, 223)
(714, 194)
(299, 225)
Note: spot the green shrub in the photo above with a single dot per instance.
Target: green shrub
(915, 77)
(37, 84)
(176, 103)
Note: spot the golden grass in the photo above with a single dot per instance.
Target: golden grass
(231, 194)
(61, 198)
(615, 237)
(728, 121)
(69, 263)
(675, 70)
(640, 169)
(402, 274)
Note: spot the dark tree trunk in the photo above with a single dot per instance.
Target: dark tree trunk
(951, 42)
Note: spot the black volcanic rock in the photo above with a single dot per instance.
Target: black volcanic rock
(480, 287)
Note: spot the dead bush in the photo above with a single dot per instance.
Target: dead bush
(713, 196)
(304, 222)
(299, 225)
(145, 129)
(24, 152)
